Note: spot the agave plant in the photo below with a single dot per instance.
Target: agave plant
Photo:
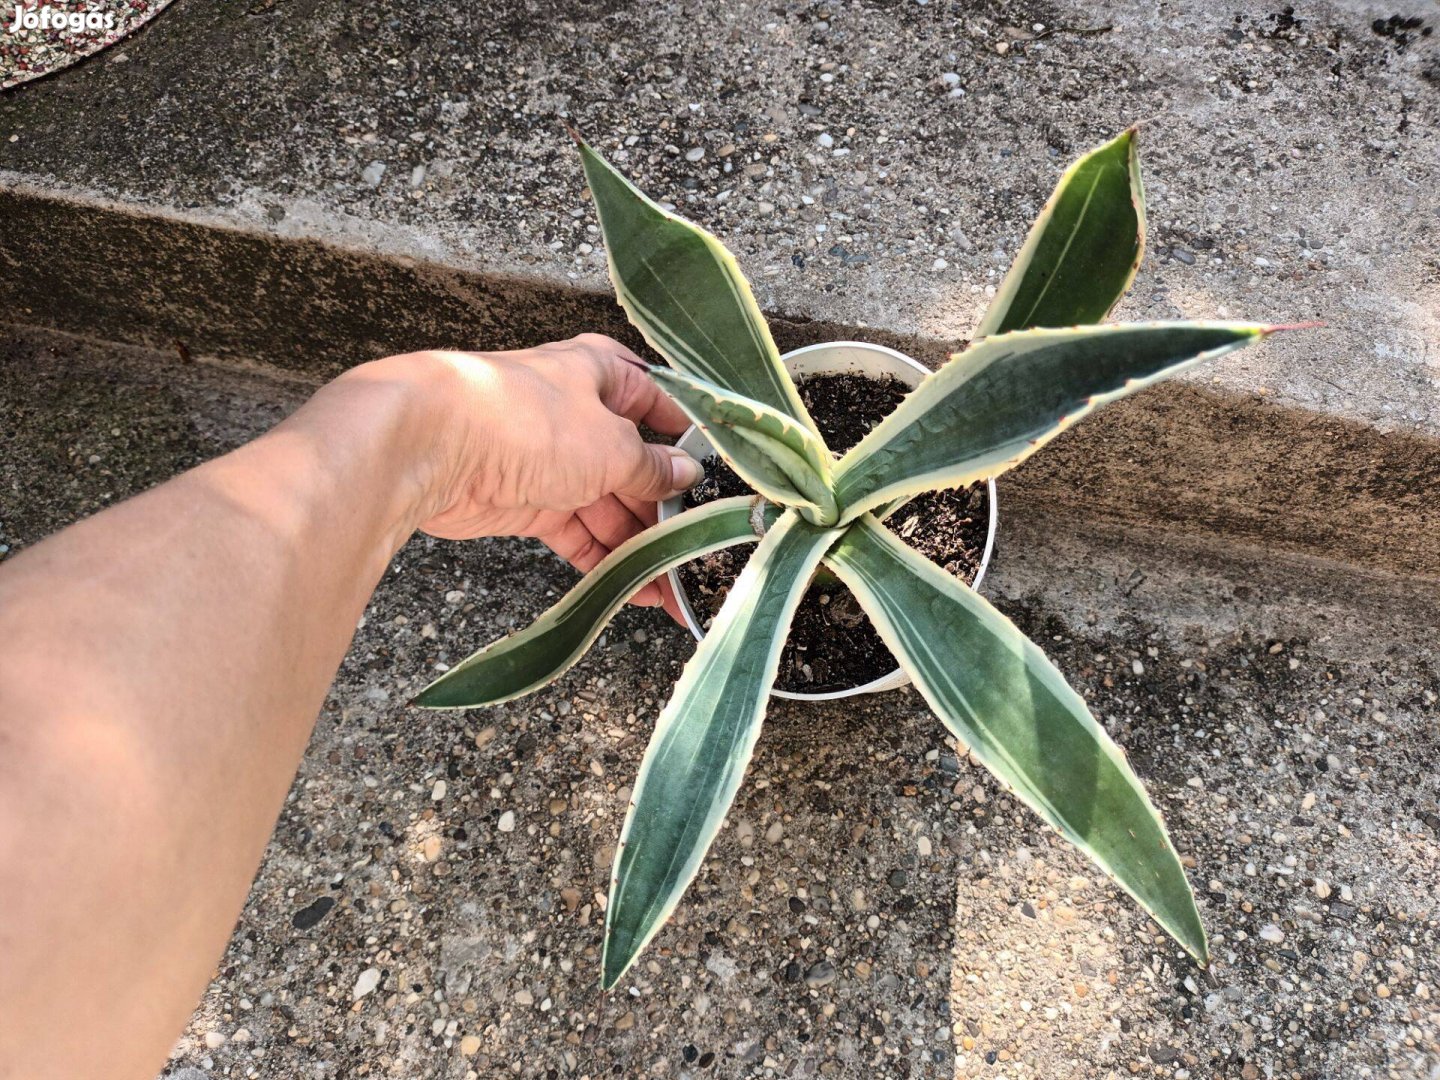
(1033, 369)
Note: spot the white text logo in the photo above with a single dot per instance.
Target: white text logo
(48, 18)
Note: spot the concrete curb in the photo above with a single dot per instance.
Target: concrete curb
(1179, 457)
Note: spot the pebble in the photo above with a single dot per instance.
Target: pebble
(367, 982)
(454, 596)
(821, 974)
(774, 833)
(924, 846)
(430, 849)
(311, 914)
(695, 153)
(721, 966)
(1181, 255)
(214, 1040)
(470, 1045)
(1162, 1054)
(437, 793)
(507, 821)
(373, 174)
(1272, 933)
(826, 140)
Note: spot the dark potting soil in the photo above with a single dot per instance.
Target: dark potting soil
(832, 645)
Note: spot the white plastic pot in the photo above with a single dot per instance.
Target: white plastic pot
(831, 358)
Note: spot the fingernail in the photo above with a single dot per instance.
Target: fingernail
(685, 471)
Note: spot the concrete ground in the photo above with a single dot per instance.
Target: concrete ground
(1280, 709)
(1242, 573)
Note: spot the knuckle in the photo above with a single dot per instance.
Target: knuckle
(590, 552)
(595, 342)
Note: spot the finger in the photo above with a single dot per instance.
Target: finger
(655, 472)
(645, 510)
(647, 513)
(610, 521)
(628, 391)
(576, 544)
(670, 600)
(648, 596)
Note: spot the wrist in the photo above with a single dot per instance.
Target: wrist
(409, 405)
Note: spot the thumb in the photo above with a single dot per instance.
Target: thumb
(658, 472)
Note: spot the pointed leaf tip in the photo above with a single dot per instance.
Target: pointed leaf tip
(703, 741)
(1280, 328)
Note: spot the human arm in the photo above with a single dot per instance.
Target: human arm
(162, 662)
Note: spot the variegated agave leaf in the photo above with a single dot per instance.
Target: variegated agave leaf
(684, 292)
(778, 457)
(996, 692)
(704, 739)
(526, 661)
(1002, 399)
(1083, 250)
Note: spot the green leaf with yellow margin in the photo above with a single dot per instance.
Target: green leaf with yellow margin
(995, 404)
(543, 651)
(1083, 250)
(781, 459)
(685, 293)
(703, 741)
(999, 695)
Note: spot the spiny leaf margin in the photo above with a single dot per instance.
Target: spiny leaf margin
(783, 460)
(738, 355)
(968, 422)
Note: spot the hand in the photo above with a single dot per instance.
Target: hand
(543, 442)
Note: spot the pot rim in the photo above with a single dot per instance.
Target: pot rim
(670, 507)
